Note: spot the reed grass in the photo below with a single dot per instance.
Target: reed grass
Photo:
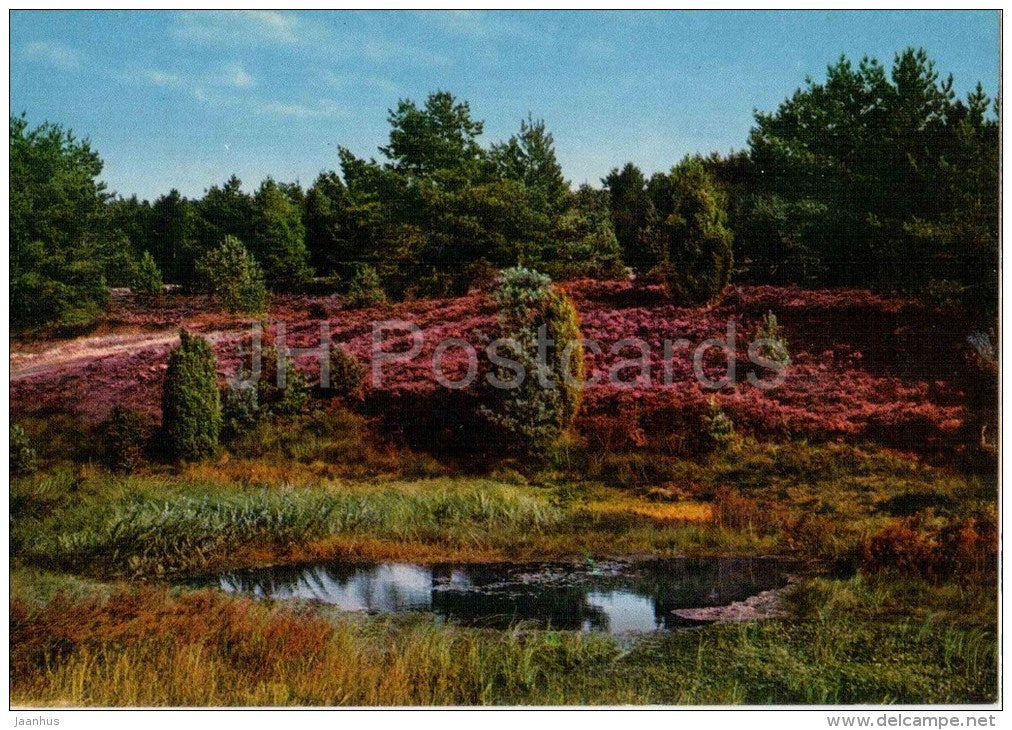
(139, 531)
(149, 647)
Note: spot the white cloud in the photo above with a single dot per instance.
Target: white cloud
(239, 26)
(160, 78)
(236, 75)
(478, 24)
(57, 55)
(273, 24)
(322, 108)
(233, 76)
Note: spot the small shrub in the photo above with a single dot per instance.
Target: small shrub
(293, 396)
(735, 511)
(283, 392)
(983, 393)
(126, 434)
(240, 408)
(966, 548)
(536, 413)
(718, 427)
(772, 343)
(902, 546)
(147, 279)
(970, 547)
(347, 375)
(233, 276)
(191, 404)
(23, 459)
(364, 289)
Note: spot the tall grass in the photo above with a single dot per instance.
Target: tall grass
(143, 648)
(145, 533)
(147, 647)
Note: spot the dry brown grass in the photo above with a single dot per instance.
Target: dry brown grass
(146, 648)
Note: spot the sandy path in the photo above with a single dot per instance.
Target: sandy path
(83, 349)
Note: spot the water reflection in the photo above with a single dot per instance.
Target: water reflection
(616, 595)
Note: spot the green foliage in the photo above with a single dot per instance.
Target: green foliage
(279, 237)
(529, 158)
(439, 138)
(126, 434)
(690, 236)
(172, 237)
(347, 375)
(224, 211)
(291, 397)
(534, 413)
(23, 459)
(282, 388)
(776, 237)
(845, 183)
(240, 408)
(231, 274)
(442, 203)
(62, 243)
(147, 280)
(631, 211)
(583, 240)
(717, 425)
(899, 170)
(774, 346)
(364, 289)
(191, 404)
(331, 225)
(142, 530)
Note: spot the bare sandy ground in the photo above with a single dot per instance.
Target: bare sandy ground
(83, 349)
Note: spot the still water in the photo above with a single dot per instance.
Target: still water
(616, 596)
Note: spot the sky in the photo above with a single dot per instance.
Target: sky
(184, 99)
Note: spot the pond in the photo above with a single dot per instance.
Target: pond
(615, 596)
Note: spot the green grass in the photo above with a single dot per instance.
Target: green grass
(808, 501)
(154, 526)
(873, 641)
(319, 487)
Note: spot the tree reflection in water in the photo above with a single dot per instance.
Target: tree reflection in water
(612, 595)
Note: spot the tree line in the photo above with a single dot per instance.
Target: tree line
(872, 177)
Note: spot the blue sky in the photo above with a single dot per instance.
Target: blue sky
(184, 99)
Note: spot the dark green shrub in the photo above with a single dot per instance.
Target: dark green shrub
(233, 276)
(347, 375)
(191, 404)
(126, 434)
(147, 279)
(240, 408)
(364, 289)
(284, 395)
(693, 241)
(535, 412)
(23, 457)
(291, 398)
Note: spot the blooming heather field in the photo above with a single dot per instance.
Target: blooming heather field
(863, 366)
